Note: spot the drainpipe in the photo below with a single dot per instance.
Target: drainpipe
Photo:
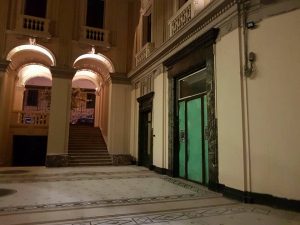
(246, 72)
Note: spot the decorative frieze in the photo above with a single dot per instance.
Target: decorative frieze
(144, 53)
(147, 85)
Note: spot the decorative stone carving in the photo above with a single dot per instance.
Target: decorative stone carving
(145, 6)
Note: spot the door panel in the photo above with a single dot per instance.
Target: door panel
(182, 158)
(146, 139)
(194, 140)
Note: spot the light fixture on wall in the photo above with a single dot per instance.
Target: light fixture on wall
(251, 25)
(250, 66)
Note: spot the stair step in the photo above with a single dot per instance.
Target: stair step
(107, 157)
(90, 161)
(88, 153)
(87, 147)
(89, 164)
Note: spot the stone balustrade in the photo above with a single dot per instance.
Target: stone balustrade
(33, 25)
(185, 14)
(21, 118)
(95, 36)
(144, 53)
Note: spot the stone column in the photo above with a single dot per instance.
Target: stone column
(18, 98)
(6, 92)
(58, 133)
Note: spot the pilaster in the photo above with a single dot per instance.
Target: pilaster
(7, 78)
(58, 133)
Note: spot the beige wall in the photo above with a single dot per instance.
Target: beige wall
(134, 120)
(119, 122)
(18, 98)
(229, 111)
(158, 121)
(58, 133)
(274, 107)
(102, 109)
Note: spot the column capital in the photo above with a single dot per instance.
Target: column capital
(4, 65)
(63, 72)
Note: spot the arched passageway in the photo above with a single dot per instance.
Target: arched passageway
(27, 102)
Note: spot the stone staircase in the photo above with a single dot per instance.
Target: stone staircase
(87, 147)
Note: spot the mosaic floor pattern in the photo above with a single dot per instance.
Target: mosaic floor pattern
(120, 195)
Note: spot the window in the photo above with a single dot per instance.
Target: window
(32, 97)
(37, 8)
(192, 84)
(95, 13)
(147, 29)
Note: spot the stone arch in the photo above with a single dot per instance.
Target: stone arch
(30, 61)
(98, 63)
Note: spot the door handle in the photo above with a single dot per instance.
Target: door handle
(182, 136)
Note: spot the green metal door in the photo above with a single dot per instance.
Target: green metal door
(193, 148)
(194, 140)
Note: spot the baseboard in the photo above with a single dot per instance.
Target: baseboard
(160, 170)
(256, 198)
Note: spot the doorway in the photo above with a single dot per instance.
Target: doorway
(146, 139)
(29, 150)
(192, 123)
(145, 155)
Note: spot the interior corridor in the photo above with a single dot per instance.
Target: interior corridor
(128, 195)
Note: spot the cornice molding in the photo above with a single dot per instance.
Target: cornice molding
(209, 18)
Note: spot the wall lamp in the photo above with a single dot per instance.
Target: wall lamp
(250, 67)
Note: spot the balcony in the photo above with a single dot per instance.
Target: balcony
(32, 119)
(34, 26)
(144, 53)
(95, 36)
(185, 14)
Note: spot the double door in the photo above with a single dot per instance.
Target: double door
(193, 147)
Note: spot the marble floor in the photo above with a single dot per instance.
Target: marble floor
(120, 195)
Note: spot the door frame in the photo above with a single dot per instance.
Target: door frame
(194, 57)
